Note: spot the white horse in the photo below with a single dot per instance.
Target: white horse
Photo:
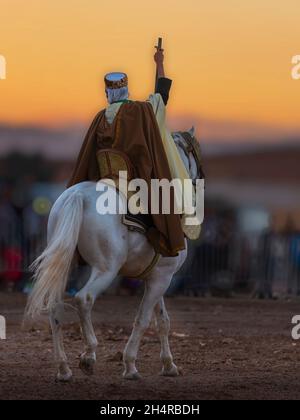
(110, 249)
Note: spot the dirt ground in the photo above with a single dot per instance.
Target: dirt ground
(226, 349)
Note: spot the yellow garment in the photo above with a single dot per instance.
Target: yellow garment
(177, 167)
(178, 170)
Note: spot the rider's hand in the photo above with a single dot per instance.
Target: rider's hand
(159, 56)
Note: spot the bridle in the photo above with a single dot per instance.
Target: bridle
(194, 149)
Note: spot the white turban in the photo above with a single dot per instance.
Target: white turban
(115, 95)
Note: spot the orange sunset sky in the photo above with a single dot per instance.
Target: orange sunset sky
(230, 60)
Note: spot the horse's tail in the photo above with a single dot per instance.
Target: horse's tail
(52, 268)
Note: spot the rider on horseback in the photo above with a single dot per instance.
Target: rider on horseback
(133, 134)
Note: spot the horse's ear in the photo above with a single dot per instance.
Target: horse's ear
(192, 131)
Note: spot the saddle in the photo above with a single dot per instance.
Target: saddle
(111, 162)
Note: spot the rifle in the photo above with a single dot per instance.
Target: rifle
(158, 47)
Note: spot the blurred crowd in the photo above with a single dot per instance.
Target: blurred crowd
(22, 235)
(280, 258)
(224, 261)
(265, 264)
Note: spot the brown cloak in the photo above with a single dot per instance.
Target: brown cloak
(134, 132)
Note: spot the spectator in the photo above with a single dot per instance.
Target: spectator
(295, 259)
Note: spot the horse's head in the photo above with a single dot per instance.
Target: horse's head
(190, 152)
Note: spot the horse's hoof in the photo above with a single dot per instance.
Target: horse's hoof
(64, 377)
(172, 372)
(132, 376)
(87, 365)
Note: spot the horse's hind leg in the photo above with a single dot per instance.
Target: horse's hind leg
(85, 299)
(163, 327)
(56, 319)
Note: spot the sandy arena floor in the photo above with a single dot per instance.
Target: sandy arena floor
(226, 349)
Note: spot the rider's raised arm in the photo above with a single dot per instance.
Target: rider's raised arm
(163, 85)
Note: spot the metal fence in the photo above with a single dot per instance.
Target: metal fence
(259, 264)
(263, 265)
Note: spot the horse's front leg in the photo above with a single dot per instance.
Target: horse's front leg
(56, 321)
(163, 327)
(155, 287)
